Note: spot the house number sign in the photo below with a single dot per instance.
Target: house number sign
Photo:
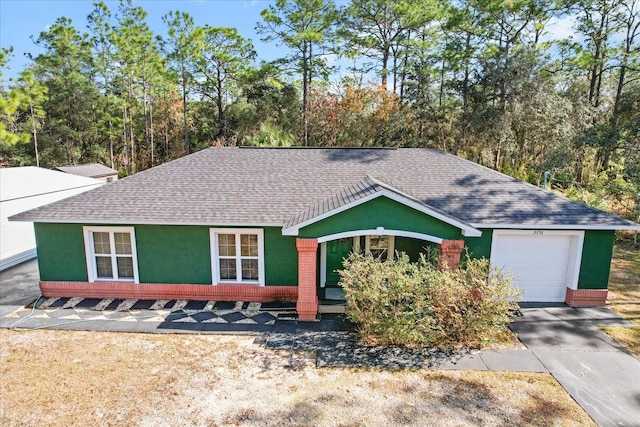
(538, 232)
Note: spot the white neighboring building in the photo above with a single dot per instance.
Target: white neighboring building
(92, 170)
(25, 188)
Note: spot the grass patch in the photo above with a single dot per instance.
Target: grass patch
(100, 378)
(624, 296)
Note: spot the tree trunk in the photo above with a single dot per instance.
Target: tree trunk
(219, 104)
(462, 141)
(496, 154)
(599, 83)
(125, 143)
(184, 109)
(631, 33)
(166, 134)
(305, 95)
(465, 84)
(111, 144)
(385, 62)
(309, 79)
(621, 79)
(105, 77)
(34, 131)
(502, 85)
(596, 78)
(395, 70)
(151, 133)
(132, 159)
(579, 163)
(108, 105)
(145, 118)
(441, 89)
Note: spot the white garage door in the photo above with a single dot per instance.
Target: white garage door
(543, 262)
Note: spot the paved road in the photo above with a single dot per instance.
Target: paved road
(598, 373)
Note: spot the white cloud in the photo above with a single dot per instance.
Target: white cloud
(331, 59)
(559, 28)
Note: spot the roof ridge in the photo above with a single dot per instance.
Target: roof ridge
(394, 188)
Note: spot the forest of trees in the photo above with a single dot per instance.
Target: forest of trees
(476, 78)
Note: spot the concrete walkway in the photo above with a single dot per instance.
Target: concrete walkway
(151, 316)
(597, 372)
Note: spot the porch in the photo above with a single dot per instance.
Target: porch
(320, 258)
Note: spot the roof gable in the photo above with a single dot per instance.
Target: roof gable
(361, 192)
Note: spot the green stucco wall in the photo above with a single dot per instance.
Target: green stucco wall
(479, 247)
(280, 258)
(166, 254)
(381, 212)
(61, 252)
(413, 247)
(173, 254)
(596, 259)
(337, 251)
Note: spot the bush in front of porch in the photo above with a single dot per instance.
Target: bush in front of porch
(397, 302)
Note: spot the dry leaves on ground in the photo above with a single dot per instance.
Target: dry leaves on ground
(89, 378)
(624, 296)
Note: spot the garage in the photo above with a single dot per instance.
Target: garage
(543, 262)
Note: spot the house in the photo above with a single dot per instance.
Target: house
(92, 170)
(260, 224)
(24, 188)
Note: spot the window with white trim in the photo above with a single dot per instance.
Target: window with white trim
(237, 255)
(111, 253)
(381, 247)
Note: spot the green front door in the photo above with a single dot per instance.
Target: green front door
(337, 251)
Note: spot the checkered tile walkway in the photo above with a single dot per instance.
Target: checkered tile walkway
(164, 311)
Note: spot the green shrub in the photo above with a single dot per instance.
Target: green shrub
(397, 302)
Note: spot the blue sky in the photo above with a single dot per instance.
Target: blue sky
(20, 19)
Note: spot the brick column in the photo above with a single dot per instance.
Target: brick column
(307, 305)
(450, 251)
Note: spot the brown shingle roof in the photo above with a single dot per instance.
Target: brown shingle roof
(257, 186)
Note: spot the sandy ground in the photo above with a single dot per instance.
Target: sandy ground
(96, 378)
(624, 296)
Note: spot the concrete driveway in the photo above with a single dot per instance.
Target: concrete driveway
(18, 286)
(602, 376)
